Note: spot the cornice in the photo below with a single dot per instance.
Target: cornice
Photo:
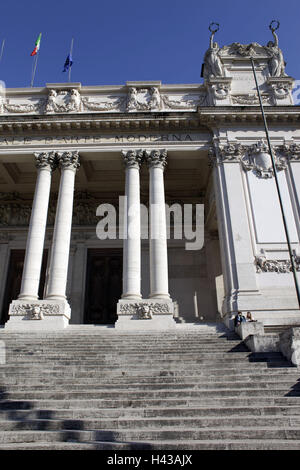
(205, 118)
(219, 114)
(113, 121)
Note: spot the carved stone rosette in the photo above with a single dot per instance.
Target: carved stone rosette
(156, 158)
(69, 160)
(132, 158)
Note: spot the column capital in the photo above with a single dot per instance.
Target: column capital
(156, 158)
(132, 158)
(45, 160)
(69, 160)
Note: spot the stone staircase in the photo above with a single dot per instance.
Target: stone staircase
(188, 389)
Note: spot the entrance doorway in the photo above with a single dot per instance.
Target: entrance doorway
(103, 286)
(14, 278)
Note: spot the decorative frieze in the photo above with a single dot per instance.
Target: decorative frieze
(134, 99)
(34, 311)
(145, 310)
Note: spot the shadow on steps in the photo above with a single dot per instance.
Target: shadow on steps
(69, 429)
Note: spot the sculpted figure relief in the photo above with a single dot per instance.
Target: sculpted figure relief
(50, 106)
(132, 99)
(63, 101)
(75, 100)
(155, 101)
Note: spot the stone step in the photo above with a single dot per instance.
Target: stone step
(119, 361)
(10, 404)
(142, 350)
(178, 434)
(145, 394)
(102, 389)
(118, 387)
(104, 356)
(161, 424)
(247, 444)
(117, 413)
(137, 373)
(155, 382)
(100, 353)
(92, 361)
(87, 342)
(164, 364)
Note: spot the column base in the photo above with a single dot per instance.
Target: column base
(145, 314)
(38, 315)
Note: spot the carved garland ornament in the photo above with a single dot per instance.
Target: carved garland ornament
(275, 266)
(249, 99)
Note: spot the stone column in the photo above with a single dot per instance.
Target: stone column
(132, 232)
(157, 160)
(58, 268)
(45, 163)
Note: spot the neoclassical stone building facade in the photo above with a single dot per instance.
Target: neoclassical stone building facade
(68, 150)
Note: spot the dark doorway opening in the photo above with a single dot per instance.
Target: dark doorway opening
(14, 278)
(103, 286)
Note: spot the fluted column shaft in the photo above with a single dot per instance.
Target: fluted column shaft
(132, 235)
(58, 268)
(45, 163)
(159, 288)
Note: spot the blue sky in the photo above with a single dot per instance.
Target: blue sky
(117, 41)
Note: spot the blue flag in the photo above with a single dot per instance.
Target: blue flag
(68, 63)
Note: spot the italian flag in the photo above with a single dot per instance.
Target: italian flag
(37, 45)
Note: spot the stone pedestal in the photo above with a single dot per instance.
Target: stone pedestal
(38, 315)
(290, 345)
(146, 314)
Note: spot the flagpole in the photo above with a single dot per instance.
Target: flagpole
(34, 68)
(70, 67)
(2, 49)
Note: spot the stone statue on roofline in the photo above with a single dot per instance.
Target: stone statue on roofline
(276, 63)
(212, 63)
